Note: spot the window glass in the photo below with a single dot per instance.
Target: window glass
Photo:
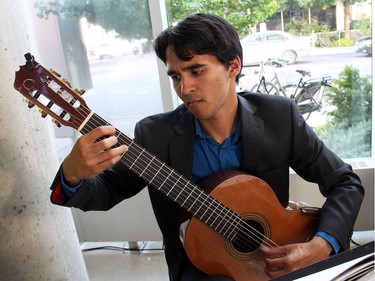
(107, 50)
(274, 38)
(328, 71)
(253, 40)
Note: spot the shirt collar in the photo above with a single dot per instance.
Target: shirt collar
(199, 132)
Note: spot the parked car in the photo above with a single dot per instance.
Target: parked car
(261, 46)
(364, 46)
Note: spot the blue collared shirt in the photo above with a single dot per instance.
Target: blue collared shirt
(210, 156)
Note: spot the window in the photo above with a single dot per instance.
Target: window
(107, 52)
(121, 73)
(341, 114)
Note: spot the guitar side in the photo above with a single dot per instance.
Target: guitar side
(256, 203)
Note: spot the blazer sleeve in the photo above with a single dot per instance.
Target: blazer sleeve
(101, 192)
(277, 138)
(336, 180)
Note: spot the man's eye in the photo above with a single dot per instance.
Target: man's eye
(175, 77)
(198, 72)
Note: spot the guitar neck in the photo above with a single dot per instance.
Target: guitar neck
(171, 183)
(54, 96)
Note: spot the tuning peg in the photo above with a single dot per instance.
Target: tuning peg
(79, 92)
(54, 72)
(30, 62)
(56, 122)
(44, 114)
(66, 82)
(29, 103)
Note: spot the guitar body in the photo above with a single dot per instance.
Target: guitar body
(255, 201)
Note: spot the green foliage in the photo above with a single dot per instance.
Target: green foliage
(242, 14)
(348, 133)
(343, 42)
(353, 142)
(128, 18)
(364, 26)
(317, 5)
(131, 19)
(305, 28)
(351, 96)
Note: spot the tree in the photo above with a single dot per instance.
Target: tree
(351, 96)
(128, 18)
(311, 5)
(242, 14)
(347, 15)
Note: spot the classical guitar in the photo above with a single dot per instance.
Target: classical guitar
(227, 224)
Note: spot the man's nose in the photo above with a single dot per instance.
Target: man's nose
(187, 85)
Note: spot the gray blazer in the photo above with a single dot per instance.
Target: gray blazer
(275, 137)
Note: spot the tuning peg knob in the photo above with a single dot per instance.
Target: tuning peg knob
(29, 103)
(54, 72)
(44, 114)
(56, 122)
(79, 92)
(66, 82)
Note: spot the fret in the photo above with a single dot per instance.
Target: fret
(211, 224)
(84, 123)
(182, 189)
(196, 199)
(166, 178)
(223, 222)
(188, 196)
(135, 161)
(161, 167)
(147, 166)
(178, 180)
(130, 145)
(233, 230)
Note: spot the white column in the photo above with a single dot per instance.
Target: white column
(38, 240)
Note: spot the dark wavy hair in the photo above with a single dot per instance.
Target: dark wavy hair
(200, 34)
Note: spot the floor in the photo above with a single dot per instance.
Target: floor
(115, 261)
(141, 261)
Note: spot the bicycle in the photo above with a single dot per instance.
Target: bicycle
(274, 85)
(310, 97)
(308, 94)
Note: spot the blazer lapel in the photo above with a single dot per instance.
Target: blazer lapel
(252, 135)
(181, 148)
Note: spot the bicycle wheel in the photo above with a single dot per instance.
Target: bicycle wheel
(289, 90)
(310, 98)
(265, 88)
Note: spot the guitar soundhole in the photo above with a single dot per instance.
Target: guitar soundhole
(250, 238)
(249, 235)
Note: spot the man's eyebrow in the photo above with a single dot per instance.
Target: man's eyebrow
(190, 67)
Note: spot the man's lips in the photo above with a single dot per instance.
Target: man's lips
(193, 102)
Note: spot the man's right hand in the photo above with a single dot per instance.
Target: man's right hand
(90, 155)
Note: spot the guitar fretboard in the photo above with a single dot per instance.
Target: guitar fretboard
(171, 183)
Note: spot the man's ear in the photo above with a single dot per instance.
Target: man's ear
(235, 66)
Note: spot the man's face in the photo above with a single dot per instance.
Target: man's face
(203, 83)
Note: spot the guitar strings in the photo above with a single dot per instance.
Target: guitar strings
(230, 217)
(258, 235)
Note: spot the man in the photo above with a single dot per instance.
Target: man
(215, 129)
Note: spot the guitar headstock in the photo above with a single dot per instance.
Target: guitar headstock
(52, 94)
